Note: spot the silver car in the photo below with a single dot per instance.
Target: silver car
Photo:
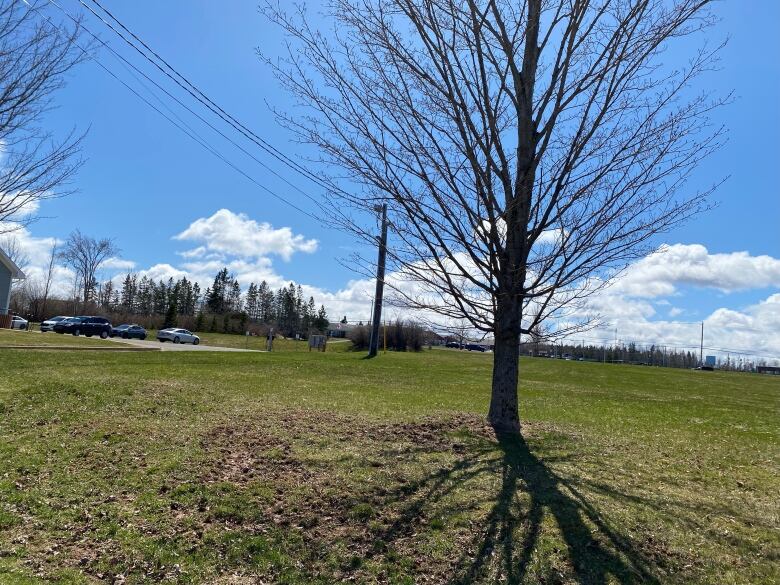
(49, 324)
(177, 336)
(18, 322)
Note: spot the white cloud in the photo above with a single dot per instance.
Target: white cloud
(37, 252)
(115, 263)
(236, 234)
(163, 272)
(753, 330)
(662, 273)
(198, 252)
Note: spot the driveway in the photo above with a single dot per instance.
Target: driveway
(170, 346)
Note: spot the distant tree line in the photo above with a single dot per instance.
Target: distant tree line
(652, 355)
(222, 307)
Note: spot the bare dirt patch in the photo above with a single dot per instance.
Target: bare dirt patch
(371, 504)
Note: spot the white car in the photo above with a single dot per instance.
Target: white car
(177, 336)
(18, 323)
(49, 324)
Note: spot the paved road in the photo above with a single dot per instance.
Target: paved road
(169, 346)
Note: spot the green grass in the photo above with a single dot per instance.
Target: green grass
(10, 337)
(298, 467)
(259, 343)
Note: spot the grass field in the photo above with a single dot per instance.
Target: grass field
(260, 343)
(10, 337)
(297, 467)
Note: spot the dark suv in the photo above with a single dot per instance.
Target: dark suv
(88, 326)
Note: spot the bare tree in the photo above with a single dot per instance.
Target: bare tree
(527, 149)
(49, 276)
(27, 298)
(12, 247)
(538, 334)
(85, 255)
(34, 57)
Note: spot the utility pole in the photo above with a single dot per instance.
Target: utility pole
(701, 346)
(373, 345)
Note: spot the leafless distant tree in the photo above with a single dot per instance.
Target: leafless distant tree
(52, 264)
(538, 334)
(85, 255)
(12, 247)
(34, 57)
(527, 149)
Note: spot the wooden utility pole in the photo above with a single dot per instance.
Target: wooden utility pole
(701, 346)
(373, 345)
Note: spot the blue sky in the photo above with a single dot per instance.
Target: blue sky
(144, 181)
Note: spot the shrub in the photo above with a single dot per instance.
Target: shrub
(359, 337)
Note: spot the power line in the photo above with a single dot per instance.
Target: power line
(183, 82)
(191, 133)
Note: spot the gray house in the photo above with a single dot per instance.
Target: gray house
(9, 271)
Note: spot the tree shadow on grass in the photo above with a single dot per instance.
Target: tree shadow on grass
(596, 552)
(506, 542)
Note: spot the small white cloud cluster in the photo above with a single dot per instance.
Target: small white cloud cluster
(235, 234)
(663, 272)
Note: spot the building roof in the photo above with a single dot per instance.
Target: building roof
(16, 272)
(346, 327)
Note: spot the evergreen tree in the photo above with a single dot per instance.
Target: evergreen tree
(321, 321)
(145, 296)
(217, 300)
(173, 307)
(199, 321)
(159, 297)
(196, 299)
(308, 315)
(129, 292)
(251, 302)
(184, 296)
(265, 302)
(105, 294)
(234, 303)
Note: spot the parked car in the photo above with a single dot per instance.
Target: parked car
(18, 322)
(474, 347)
(129, 331)
(48, 324)
(453, 344)
(88, 326)
(177, 336)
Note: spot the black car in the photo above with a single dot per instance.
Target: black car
(88, 326)
(127, 331)
(453, 344)
(474, 347)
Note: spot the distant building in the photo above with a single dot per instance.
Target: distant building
(339, 329)
(9, 272)
(774, 370)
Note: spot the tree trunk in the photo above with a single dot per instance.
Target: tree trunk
(503, 415)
